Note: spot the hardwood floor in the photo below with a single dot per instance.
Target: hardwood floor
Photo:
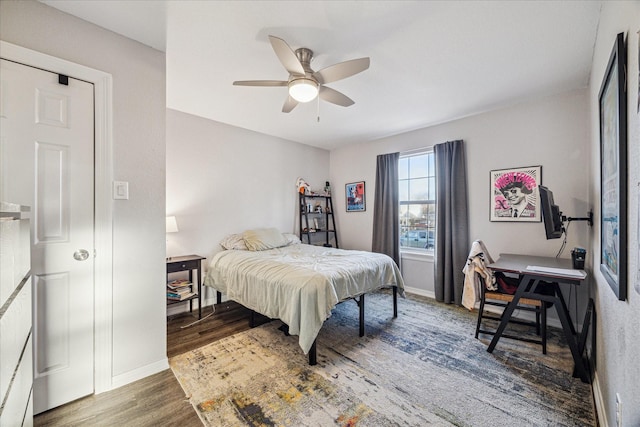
(157, 400)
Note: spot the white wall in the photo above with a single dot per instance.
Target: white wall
(552, 132)
(139, 331)
(223, 179)
(618, 335)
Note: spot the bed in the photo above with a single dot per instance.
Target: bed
(300, 284)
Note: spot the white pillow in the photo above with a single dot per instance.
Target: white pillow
(233, 242)
(292, 239)
(261, 239)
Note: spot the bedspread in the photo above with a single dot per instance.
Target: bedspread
(300, 284)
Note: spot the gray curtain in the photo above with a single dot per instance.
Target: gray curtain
(386, 223)
(452, 224)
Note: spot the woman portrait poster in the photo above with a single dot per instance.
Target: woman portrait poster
(514, 194)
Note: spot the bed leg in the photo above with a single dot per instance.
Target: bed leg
(285, 329)
(313, 360)
(218, 297)
(361, 304)
(252, 319)
(395, 301)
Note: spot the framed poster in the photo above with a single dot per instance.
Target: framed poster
(613, 172)
(355, 196)
(514, 194)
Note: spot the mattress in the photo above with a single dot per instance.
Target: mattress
(300, 284)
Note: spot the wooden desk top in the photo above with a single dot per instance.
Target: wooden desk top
(514, 263)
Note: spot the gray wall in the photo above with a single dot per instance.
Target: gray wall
(618, 326)
(139, 331)
(223, 179)
(552, 132)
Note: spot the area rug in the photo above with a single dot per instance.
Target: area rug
(423, 368)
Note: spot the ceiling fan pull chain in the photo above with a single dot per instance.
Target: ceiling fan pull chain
(318, 108)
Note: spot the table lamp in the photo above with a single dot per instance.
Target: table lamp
(171, 227)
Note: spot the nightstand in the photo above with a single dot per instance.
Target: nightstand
(188, 263)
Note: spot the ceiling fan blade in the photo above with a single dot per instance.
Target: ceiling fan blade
(286, 56)
(289, 105)
(335, 97)
(260, 83)
(341, 70)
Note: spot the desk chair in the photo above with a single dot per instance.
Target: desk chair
(502, 299)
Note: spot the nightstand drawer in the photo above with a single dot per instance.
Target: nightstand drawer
(173, 267)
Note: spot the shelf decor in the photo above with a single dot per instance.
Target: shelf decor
(317, 223)
(613, 172)
(355, 197)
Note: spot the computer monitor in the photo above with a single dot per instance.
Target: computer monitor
(551, 214)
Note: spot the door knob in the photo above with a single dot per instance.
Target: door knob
(81, 255)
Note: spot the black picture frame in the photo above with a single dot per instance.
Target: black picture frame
(613, 171)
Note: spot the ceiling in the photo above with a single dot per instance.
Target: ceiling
(431, 61)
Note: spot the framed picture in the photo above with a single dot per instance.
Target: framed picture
(355, 196)
(514, 194)
(613, 172)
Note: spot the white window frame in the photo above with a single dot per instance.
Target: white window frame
(407, 249)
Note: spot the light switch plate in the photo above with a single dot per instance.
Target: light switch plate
(120, 190)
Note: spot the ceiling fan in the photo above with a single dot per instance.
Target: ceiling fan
(303, 83)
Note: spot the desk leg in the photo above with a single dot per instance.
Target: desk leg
(563, 304)
(508, 311)
(572, 340)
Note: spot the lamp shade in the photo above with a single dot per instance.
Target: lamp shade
(172, 224)
(303, 90)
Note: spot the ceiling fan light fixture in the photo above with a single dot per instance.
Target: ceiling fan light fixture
(303, 90)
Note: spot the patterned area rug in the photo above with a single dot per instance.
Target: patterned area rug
(423, 368)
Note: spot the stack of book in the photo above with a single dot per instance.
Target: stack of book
(179, 290)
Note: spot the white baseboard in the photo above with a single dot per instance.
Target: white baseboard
(140, 373)
(599, 401)
(421, 292)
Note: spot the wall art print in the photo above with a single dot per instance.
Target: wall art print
(514, 194)
(355, 197)
(613, 172)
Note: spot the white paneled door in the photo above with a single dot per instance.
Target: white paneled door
(47, 148)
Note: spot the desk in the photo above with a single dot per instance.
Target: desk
(518, 264)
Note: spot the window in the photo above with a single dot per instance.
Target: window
(417, 193)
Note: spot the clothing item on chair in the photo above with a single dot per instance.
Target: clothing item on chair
(476, 272)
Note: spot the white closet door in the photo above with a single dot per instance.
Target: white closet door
(47, 163)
